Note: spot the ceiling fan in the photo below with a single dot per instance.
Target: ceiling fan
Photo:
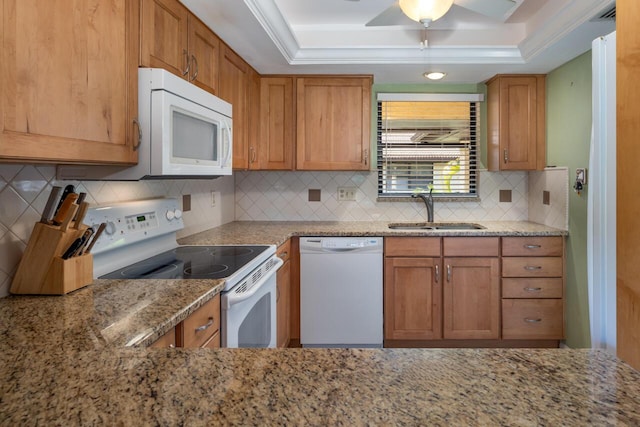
(427, 11)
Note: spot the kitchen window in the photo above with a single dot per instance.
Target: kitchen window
(428, 141)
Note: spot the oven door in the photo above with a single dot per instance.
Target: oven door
(249, 313)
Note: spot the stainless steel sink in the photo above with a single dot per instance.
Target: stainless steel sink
(435, 226)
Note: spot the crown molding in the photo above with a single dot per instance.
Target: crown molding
(559, 24)
(271, 19)
(550, 30)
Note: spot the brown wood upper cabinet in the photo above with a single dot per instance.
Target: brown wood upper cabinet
(333, 123)
(236, 77)
(174, 39)
(69, 81)
(274, 148)
(516, 122)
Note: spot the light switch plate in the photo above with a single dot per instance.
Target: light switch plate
(346, 194)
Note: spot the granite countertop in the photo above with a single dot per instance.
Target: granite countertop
(277, 232)
(107, 313)
(81, 359)
(439, 387)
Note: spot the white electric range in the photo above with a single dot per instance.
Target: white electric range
(139, 242)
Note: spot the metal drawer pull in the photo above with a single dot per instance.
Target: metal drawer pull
(283, 255)
(532, 267)
(204, 327)
(532, 246)
(526, 319)
(448, 273)
(437, 273)
(528, 289)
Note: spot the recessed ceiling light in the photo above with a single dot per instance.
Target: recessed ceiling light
(435, 75)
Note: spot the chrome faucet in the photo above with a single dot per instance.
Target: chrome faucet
(428, 201)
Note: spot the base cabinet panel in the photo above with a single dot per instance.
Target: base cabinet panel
(412, 299)
(472, 298)
(532, 319)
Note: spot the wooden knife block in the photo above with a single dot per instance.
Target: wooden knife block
(42, 271)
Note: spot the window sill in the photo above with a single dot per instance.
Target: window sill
(435, 199)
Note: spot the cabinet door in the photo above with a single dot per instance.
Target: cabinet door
(204, 53)
(276, 144)
(333, 123)
(471, 298)
(234, 88)
(69, 81)
(516, 122)
(412, 299)
(163, 37)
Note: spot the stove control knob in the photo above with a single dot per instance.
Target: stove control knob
(110, 229)
(177, 213)
(170, 215)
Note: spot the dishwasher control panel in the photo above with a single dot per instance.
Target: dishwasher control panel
(340, 243)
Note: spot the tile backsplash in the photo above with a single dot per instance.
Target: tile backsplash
(283, 196)
(275, 196)
(554, 213)
(24, 190)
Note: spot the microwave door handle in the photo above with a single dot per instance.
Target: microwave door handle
(227, 143)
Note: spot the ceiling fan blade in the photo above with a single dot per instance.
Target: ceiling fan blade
(391, 16)
(493, 8)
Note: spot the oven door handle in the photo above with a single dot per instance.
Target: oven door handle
(232, 298)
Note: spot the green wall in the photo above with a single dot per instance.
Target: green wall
(568, 140)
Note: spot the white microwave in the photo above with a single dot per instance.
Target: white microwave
(185, 132)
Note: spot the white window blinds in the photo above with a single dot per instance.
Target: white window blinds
(427, 141)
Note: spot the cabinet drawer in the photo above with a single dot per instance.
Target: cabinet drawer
(532, 267)
(471, 246)
(412, 246)
(168, 340)
(202, 324)
(532, 246)
(532, 288)
(214, 341)
(284, 251)
(532, 319)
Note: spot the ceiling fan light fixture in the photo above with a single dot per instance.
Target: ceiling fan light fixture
(434, 75)
(425, 11)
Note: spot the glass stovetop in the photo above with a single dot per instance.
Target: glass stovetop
(190, 262)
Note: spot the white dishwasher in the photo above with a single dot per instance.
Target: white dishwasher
(341, 291)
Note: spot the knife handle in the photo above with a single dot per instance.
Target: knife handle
(67, 219)
(69, 189)
(63, 212)
(79, 216)
(81, 197)
(47, 212)
(95, 237)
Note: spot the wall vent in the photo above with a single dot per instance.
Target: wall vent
(606, 15)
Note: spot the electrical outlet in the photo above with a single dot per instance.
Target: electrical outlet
(346, 194)
(214, 200)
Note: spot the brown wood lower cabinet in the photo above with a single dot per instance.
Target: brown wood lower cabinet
(446, 292)
(533, 288)
(472, 298)
(412, 298)
(200, 329)
(283, 298)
